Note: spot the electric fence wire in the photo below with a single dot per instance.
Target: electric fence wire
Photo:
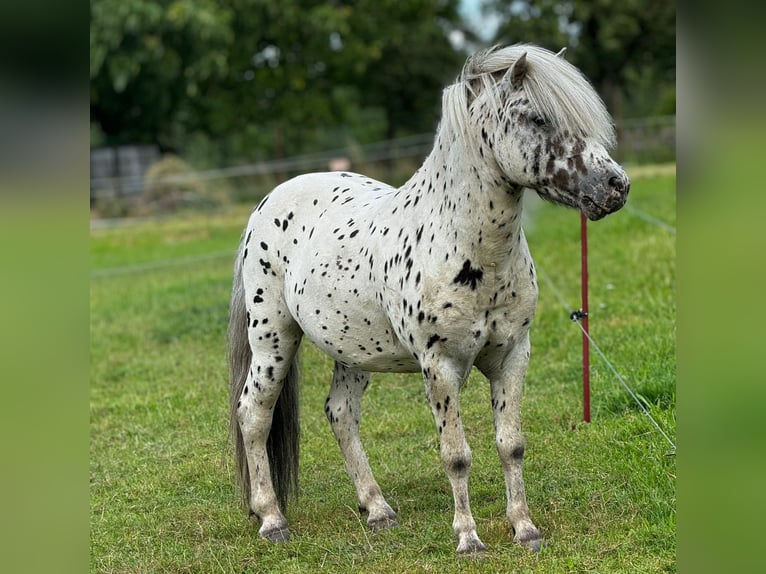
(576, 319)
(653, 220)
(152, 265)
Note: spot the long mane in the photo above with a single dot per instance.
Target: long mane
(557, 90)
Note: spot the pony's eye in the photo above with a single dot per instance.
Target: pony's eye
(539, 121)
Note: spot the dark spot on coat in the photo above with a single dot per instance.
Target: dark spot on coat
(468, 275)
(561, 179)
(263, 202)
(432, 340)
(458, 465)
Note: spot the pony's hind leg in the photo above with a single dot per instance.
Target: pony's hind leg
(269, 439)
(255, 413)
(343, 409)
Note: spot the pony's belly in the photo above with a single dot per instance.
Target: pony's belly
(363, 347)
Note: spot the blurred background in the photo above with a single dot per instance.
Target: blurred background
(197, 104)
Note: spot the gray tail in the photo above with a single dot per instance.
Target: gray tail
(283, 442)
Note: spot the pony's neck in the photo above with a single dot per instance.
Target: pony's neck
(463, 188)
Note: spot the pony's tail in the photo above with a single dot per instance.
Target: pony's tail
(283, 442)
(239, 364)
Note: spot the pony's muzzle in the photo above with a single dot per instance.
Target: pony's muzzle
(606, 198)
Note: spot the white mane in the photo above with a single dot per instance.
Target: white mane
(556, 89)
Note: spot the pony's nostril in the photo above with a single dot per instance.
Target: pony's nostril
(618, 184)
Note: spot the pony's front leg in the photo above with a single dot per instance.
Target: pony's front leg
(344, 411)
(443, 381)
(506, 387)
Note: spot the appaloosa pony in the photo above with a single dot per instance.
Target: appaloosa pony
(433, 277)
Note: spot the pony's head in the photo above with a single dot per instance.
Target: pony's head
(546, 127)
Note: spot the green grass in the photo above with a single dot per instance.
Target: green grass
(162, 494)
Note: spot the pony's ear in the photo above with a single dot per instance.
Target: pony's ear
(518, 71)
(561, 53)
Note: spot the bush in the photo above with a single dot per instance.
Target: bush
(171, 185)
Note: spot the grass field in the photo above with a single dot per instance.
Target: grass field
(161, 474)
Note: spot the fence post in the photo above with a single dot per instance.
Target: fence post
(584, 318)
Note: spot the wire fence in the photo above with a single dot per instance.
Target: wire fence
(577, 319)
(162, 264)
(412, 146)
(122, 171)
(650, 219)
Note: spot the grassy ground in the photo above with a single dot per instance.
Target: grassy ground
(162, 495)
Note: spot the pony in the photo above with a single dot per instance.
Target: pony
(432, 277)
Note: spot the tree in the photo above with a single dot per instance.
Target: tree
(259, 77)
(317, 73)
(416, 61)
(618, 44)
(147, 63)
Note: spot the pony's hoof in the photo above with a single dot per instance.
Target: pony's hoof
(383, 523)
(471, 548)
(531, 540)
(277, 535)
(382, 518)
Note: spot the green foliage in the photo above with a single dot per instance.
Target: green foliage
(416, 62)
(161, 476)
(264, 79)
(151, 60)
(618, 44)
(242, 80)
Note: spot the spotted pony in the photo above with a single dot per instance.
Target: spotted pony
(432, 277)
